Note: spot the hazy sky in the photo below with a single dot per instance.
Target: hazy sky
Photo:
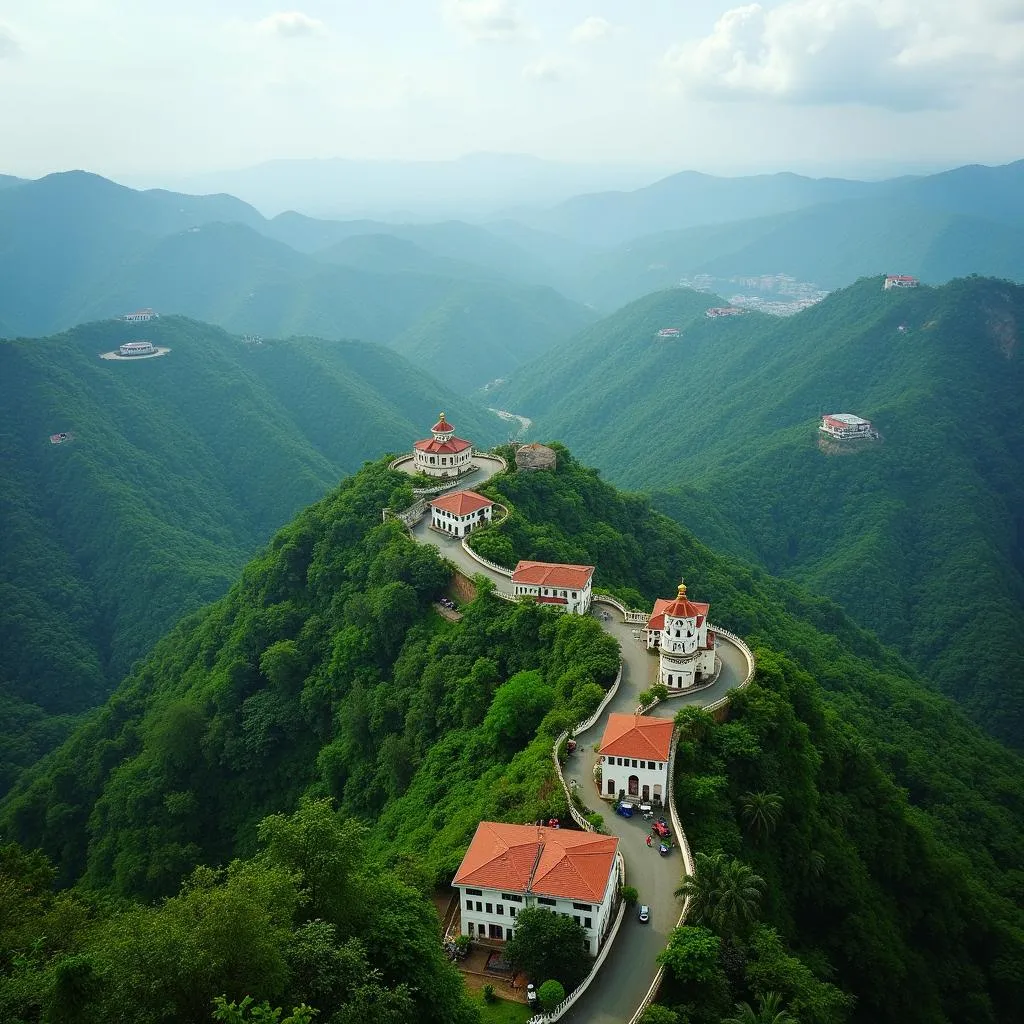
(136, 87)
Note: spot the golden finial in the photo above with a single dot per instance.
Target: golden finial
(682, 590)
(442, 417)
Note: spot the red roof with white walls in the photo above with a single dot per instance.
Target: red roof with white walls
(679, 607)
(442, 426)
(900, 277)
(461, 503)
(547, 861)
(553, 574)
(637, 736)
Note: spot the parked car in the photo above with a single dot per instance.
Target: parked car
(625, 809)
(661, 829)
(645, 913)
(664, 850)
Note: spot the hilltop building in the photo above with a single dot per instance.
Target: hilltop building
(678, 628)
(899, 281)
(564, 586)
(535, 456)
(443, 454)
(716, 311)
(669, 332)
(137, 348)
(141, 315)
(460, 512)
(634, 755)
(509, 867)
(845, 425)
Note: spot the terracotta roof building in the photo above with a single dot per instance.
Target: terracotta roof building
(563, 586)
(634, 755)
(678, 628)
(442, 454)
(844, 425)
(509, 867)
(460, 512)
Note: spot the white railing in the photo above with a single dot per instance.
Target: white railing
(570, 1000)
(588, 722)
(486, 562)
(628, 614)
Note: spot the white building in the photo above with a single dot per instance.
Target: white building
(137, 348)
(716, 311)
(140, 316)
(845, 425)
(564, 586)
(444, 454)
(509, 867)
(460, 512)
(634, 756)
(679, 629)
(899, 281)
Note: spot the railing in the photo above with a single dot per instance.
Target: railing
(570, 1000)
(487, 563)
(628, 614)
(588, 722)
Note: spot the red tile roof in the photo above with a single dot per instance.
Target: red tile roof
(442, 426)
(553, 574)
(432, 447)
(637, 736)
(679, 607)
(542, 599)
(547, 861)
(461, 503)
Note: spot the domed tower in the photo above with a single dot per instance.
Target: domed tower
(679, 629)
(443, 454)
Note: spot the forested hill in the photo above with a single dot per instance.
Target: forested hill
(176, 469)
(918, 536)
(325, 673)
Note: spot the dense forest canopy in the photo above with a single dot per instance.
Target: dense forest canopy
(176, 469)
(918, 536)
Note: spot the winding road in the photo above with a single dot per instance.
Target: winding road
(627, 973)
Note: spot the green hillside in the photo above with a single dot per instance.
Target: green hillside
(324, 673)
(178, 468)
(918, 536)
(76, 247)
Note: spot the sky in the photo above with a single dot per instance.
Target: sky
(141, 88)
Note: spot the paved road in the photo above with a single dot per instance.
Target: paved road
(629, 969)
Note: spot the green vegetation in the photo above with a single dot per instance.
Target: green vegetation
(550, 994)
(546, 944)
(179, 467)
(78, 248)
(918, 536)
(891, 867)
(890, 857)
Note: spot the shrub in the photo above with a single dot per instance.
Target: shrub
(488, 993)
(550, 994)
(629, 893)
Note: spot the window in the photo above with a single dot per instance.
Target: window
(511, 897)
(581, 906)
(576, 918)
(574, 593)
(634, 762)
(469, 904)
(501, 909)
(511, 911)
(474, 892)
(546, 901)
(586, 923)
(490, 908)
(479, 907)
(660, 766)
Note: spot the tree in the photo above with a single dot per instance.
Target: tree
(550, 994)
(691, 954)
(723, 893)
(545, 943)
(769, 1011)
(517, 709)
(657, 1014)
(630, 894)
(250, 1012)
(694, 723)
(761, 811)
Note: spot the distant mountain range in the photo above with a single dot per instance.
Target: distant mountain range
(920, 536)
(77, 247)
(176, 470)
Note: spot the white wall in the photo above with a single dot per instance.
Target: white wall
(656, 778)
(578, 605)
(459, 526)
(442, 465)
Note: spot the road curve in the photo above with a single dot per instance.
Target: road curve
(626, 975)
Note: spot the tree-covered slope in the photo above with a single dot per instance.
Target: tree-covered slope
(77, 247)
(177, 469)
(917, 536)
(323, 672)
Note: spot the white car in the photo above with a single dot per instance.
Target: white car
(645, 913)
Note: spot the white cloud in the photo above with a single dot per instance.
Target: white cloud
(547, 69)
(898, 54)
(487, 21)
(291, 25)
(8, 43)
(591, 29)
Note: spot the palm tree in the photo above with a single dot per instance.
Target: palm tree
(769, 1011)
(724, 894)
(761, 811)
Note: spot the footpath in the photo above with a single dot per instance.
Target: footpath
(626, 976)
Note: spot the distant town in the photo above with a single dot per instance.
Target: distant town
(776, 294)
